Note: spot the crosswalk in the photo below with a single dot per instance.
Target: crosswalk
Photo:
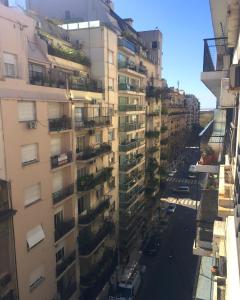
(183, 202)
(181, 180)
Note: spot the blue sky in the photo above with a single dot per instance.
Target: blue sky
(184, 24)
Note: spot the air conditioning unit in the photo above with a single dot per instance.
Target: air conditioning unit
(234, 77)
(31, 124)
(94, 101)
(91, 131)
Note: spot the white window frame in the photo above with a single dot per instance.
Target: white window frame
(34, 158)
(35, 236)
(36, 195)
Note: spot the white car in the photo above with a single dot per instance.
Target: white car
(174, 171)
(171, 174)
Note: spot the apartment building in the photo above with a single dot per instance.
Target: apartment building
(8, 279)
(193, 107)
(59, 150)
(139, 67)
(217, 238)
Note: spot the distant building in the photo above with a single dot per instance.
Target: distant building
(193, 107)
(205, 117)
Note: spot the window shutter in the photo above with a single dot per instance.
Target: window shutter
(32, 194)
(29, 153)
(35, 236)
(36, 277)
(54, 110)
(55, 146)
(57, 181)
(9, 58)
(26, 111)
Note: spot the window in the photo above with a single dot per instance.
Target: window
(83, 204)
(35, 236)
(154, 44)
(26, 111)
(57, 181)
(59, 254)
(58, 218)
(32, 194)
(55, 110)
(10, 65)
(29, 154)
(111, 84)
(36, 72)
(98, 138)
(36, 278)
(56, 143)
(111, 135)
(79, 116)
(110, 57)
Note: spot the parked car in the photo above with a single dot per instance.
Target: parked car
(183, 189)
(171, 209)
(192, 176)
(174, 171)
(171, 174)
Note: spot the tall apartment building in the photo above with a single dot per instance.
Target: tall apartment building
(8, 278)
(217, 239)
(59, 150)
(193, 107)
(139, 67)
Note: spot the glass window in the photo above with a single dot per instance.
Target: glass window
(58, 218)
(26, 111)
(111, 135)
(60, 255)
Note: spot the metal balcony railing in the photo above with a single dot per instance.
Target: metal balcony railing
(214, 51)
(88, 182)
(93, 213)
(92, 122)
(131, 107)
(66, 262)
(131, 126)
(63, 228)
(89, 242)
(92, 152)
(63, 194)
(130, 88)
(130, 145)
(131, 181)
(85, 84)
(60, 124)
(127, 44)
(130, 163)
(61, 159)
(132, 66)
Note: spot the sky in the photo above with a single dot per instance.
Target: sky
(184, 24)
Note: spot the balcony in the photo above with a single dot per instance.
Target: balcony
(61, 159)
(60, 124)
(130, 88)
(91, 214)
(130, 107)
(130, 145)
(63, 194)
(130, 181)
(132, 68)
(126, 127)
(155, 134)
(127, 45)
(153, 92)
(93, 122)
(66, 262)
(131, 163)
(88, 182)
(88, 242)
(63, 228)
(153, 150)
(85, 84)
(93, 283)
(128, 198)
(91, 152)
(216, 63)
(68, 291)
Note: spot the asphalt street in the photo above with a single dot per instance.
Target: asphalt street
(171, 273)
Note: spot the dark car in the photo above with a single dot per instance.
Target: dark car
(152, 246)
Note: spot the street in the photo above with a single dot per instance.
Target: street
(170, 274)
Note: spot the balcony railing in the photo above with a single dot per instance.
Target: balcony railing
(63, 228)
(131, 181)
(85, 84)
(66, 262)
(152, 134)
(131, 107)
(131, 126)
(127, 44)
(214, 51)
(61, 159)
(130, 163)
(130, 145)
(130, 88)
(153, 92)
(89, 242)
(91, 152)
(92, 122)
(88, 182)
(93, 213)
(133, 67)
(68, 291)
(155, 113)
(127, 198)
(63, 194)
(153, 150)
(60, 124)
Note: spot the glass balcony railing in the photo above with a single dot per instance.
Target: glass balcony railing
(130, 88)
(88, 182)
(131, 126)
(61, 159)
(88, 242)
(63, 194)
(132, 162)
(60, 124)
(131, 107)
(63, 228)
(93, 213)
(130, 145)
(65, 263)
(92, 122)
(127, 44)
(91, 152)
